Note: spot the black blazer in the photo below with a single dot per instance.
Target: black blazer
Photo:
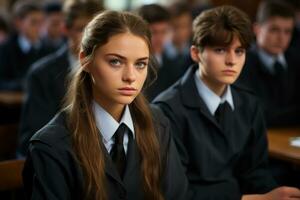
(220, 163)
(45, 90)
(167, 74)
(14, 64)
(52, 172)
(280, 100)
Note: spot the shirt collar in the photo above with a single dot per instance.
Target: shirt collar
(74, 61)
(26, 45)
(211, 99)
(107, 125)
(172, 52)
(269, 60)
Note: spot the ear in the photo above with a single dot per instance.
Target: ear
(194, 52)
(256, 28)
(82, 62)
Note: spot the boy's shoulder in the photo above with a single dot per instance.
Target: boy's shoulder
(244, 96)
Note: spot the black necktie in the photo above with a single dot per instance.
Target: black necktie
(278, 68)
(221, 112)
(117, 152)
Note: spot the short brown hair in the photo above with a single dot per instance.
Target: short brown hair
(153, 13)
(22, 9)
(272, 8)
(74, 10)
(218, 26)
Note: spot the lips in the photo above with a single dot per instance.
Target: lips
(229, 72)
(127, 91)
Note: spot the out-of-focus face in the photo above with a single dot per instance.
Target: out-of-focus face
(54, 25)
(31, 25)
(119, 70)
(274, 35)
(160, 32)
(220, 65)
(182, 29)
(74, 33)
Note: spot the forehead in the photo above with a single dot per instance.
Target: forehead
(34, 14)
(234, 43)
(280, 22)
(126, 45)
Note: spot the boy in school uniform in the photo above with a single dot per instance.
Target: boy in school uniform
(23, 47)
(46, 80)
(218, 127)
(272, 66)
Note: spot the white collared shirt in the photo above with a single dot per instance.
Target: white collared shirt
(211, 99)
(269, 60)
(26, 45)
(107, 125)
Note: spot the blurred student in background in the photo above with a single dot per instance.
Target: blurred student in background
(272, 68)
(53, 30)
(22, 48)
(46, 85)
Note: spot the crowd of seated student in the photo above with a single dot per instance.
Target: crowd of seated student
(171, 34)
(24, 46)
(43, 48)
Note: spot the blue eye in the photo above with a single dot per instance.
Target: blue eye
(115, 62)
(141, 65)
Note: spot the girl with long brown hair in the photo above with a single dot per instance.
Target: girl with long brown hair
(107, 143)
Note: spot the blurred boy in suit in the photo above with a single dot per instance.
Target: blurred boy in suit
(22, 48)
(46, 81)
(271, 69)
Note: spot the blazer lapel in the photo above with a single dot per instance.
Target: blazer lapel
(191, 98)
(110, 168)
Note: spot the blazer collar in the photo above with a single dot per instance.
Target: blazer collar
(190, 96)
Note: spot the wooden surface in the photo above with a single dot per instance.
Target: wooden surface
(11, 98)
(11, 174)
(279, 144)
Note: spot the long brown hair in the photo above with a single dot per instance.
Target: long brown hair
(87, 142)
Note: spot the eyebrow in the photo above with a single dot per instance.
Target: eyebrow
(124, 58)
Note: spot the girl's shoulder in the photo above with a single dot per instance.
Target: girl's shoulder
(55, 133)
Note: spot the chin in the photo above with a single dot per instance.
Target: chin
(126, 100)
(228, 81)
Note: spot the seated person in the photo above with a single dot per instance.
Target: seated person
(218, 127)
(46, 81)
(272, 70)
(22, 48)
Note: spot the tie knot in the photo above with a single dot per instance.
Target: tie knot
(119, 134)
(278, 67)
(222, 108)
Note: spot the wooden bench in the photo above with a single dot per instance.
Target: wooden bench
(8, 141)
(11, 174)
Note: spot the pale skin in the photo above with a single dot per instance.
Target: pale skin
(274, 35)
(214, 62)
(118, 70)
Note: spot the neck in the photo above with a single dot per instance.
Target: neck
(217, 88)
(115, 110)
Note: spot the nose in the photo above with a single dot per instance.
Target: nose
(129, 74)
(230, 59)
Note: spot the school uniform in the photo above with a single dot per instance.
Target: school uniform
(221, 162)
(171, 66)
(276, 87)
(45, 89)
(16, 56)
(52, 172)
